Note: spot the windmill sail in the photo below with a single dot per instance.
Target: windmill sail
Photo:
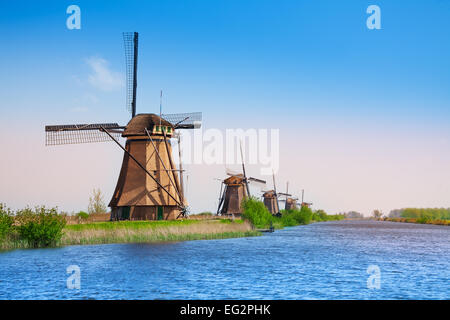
(130, 41)
(149, 186)
(257, 181)
(191, 120)
(80, 133)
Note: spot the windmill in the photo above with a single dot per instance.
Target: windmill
(303, 203)
(271, 200)
(235, 189)
(149, 187)
(290, 202)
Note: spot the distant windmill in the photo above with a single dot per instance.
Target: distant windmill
(290, 202)
(150, 187)
(235, 189)
(303, 203)
(271, 198)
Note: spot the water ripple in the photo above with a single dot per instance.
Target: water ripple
(319, 261)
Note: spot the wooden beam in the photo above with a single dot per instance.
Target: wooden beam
(143, 168)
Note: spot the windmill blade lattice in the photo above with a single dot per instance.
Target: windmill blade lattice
(80, 133)
(184, 120)
(130, 41)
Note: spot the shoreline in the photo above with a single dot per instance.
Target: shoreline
(417, 221)
(145, 232)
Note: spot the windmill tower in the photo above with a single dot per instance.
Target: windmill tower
(290, 202)
(271, 200)
(303, 203)
(149, 187)
(235, 189)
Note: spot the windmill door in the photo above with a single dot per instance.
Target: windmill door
(160, 213)
(125, 213)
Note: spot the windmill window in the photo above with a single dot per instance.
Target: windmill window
(169, 129)
(158, 128)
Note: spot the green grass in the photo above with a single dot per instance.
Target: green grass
(11, 236)
(152, 238)
(129, 225)
(155, 231)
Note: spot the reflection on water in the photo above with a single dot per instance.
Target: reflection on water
(325, 260)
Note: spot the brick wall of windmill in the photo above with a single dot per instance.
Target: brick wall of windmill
(138, 190)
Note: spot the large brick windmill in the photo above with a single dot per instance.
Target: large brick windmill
(149, 187)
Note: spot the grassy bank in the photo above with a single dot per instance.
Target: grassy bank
(437, 216)
(154, 231)
(257, 214)
(41, 227)
(141, 232)
(439, 222)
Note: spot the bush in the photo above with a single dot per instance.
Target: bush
(294, 217)
(6, 221)
(83, 215)
(303, 216)
(287, 220)
(424, 219)
(321, 215)
(426, 213)
(256, 212)
(41, 227)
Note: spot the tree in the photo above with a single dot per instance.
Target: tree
(96, 203)
(353, 215)
(377, 214)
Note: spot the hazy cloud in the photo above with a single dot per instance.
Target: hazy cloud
(78, 109)
(102, 77)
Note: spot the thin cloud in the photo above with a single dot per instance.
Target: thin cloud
(102, 77)
(79, 109)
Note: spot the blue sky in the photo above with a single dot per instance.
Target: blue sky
(310, 68)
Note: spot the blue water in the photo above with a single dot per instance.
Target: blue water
(319, 261)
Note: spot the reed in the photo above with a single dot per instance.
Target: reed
(45, 228)
(154, 231)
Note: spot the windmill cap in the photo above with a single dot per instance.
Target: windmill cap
(140, 122)
(269, 194)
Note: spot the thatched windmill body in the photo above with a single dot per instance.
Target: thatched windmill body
(149, 187)
(153, 192)
(234, 190)
(271, 198)
(303, 203)
(271, 201)
(290, 202)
